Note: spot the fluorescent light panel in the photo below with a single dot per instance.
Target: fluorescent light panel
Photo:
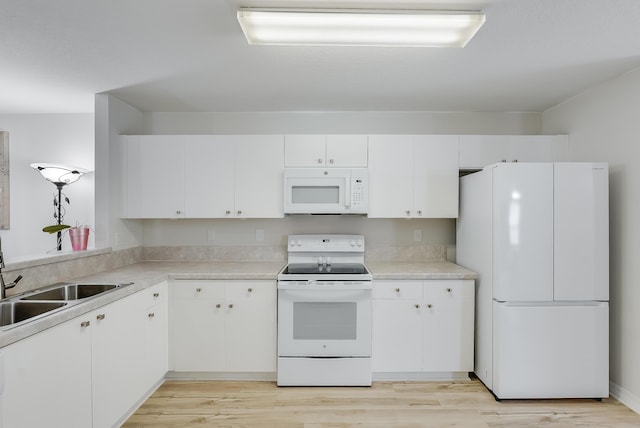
(356, 27)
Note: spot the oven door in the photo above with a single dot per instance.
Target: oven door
(324, 319)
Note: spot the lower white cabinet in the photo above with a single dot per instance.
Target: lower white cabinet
(47, 379)
(423, 326)
(89, 371)
(223, 326)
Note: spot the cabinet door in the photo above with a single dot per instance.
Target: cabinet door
(478, 151)
(209, 176)
(259, 187)
(538, 148)
(304, 150)
(397, 327)
(448, 326)
(47, 379)
(435, 186)
(197, 321)
(390, 176)
(155, 319)
(154, 187)
(250, 326)
(347, 150)
(118, 359)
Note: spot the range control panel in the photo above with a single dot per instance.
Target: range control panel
(325, 243)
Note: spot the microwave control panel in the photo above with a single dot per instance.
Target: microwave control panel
(359, 193)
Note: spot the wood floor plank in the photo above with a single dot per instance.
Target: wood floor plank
(386, 404)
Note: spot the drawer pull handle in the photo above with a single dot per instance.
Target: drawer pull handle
(100, 317)
(198, 290)
(250, 290)
(397, 290)
(417, 306)
(156, 295)
(84, 324)
(218, 306)
(449, 290)
(429, 305)
(231, 306)
(151, 315)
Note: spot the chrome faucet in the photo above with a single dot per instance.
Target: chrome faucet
(4, 287)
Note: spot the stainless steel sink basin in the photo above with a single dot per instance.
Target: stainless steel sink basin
(15, 312)
(72, 292)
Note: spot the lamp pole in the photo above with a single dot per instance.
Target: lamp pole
(59, 186)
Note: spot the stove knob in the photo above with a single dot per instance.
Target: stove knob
(299, 243)
(292, 243)
(352, 243)
(360, 243)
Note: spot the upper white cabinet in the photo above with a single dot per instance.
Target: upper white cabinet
(153, 186)
(478, 151)
(325, 151)
(202, 176)
(413, 176)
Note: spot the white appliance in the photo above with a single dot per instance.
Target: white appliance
(326, 191)
(538, 237)
(324, 312)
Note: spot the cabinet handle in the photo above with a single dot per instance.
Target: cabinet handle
(319, 160)
(198, 290)
(419, 212)
(178, 212)
(218, 305)
(331, 161)
(429, 305)
(231, 306)
(503, 160)
(84, 324)
(100, 317)
(151, 315)
(156, 295)
(449, 290)
(408, 212)
(397, 290)
(250, 290)
(227, 212)
(417, 306)
(239, 212)
(515, 160)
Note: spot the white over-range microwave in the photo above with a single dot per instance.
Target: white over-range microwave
(326, 191)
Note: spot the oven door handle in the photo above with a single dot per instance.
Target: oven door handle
(319, 286)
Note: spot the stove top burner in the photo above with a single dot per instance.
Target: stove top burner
(316, 269)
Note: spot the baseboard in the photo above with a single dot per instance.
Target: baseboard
(139, 403)
(624, 396)
(259, 376)
(420, 376)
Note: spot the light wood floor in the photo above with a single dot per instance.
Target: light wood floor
(385, 404)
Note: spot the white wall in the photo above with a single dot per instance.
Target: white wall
(113, 117)
(52, 138)
(348, 122)
(603, 125)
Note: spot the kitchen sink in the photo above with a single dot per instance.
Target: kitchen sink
(72, 292)
(14, 312)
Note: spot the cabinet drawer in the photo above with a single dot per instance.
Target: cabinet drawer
(397, 289)
(198, 290)
(449, 289)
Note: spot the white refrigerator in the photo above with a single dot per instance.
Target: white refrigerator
(537, 234)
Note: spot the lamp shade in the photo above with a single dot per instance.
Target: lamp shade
(58, 173)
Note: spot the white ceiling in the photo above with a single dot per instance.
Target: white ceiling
(191, 55)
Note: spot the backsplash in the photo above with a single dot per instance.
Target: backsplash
(39, 274)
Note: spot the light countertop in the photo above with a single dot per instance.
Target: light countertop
(149, 273)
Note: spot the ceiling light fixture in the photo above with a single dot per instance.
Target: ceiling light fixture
(359, 27)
